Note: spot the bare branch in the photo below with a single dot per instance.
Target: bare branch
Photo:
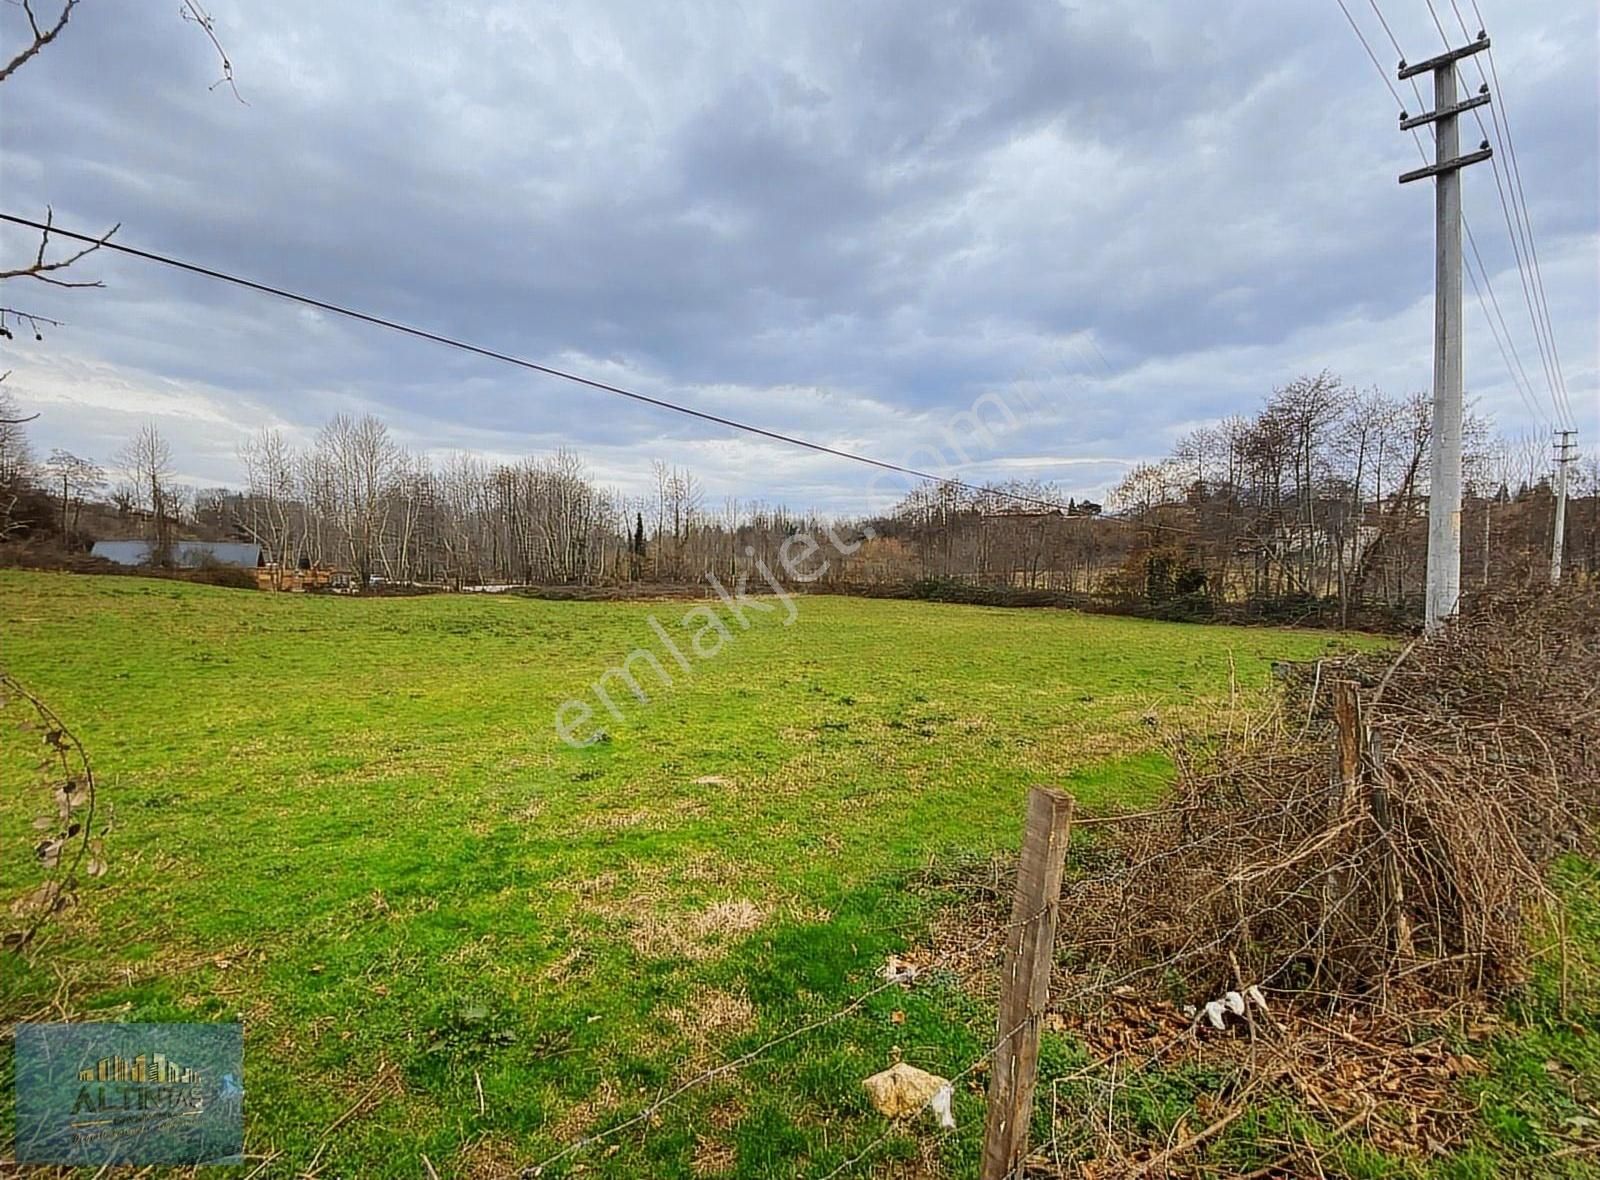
(191, 10)
(41, 37)
(33, 322)
(40, 269)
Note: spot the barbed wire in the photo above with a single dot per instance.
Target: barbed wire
(946, 958)
(1340, 869)
(893, 980)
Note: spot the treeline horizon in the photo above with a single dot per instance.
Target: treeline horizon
(1318, 495)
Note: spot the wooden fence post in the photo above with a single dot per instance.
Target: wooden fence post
(1394, 896)
(1025, 982)
(1347, 767)
(1360, 762)
(1344, 794)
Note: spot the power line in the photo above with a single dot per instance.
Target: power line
(1519, 232)
(1376, 64)
(1521, 385)
(1553, 378)
(1401, 55)
(1443, 36)
(1388, 32)
(1502, 119)
(521, 362)
(1542, 333)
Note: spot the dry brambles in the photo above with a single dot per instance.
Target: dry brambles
(1410, 857)
(1372, 856)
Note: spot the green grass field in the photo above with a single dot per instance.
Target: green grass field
(351, 824)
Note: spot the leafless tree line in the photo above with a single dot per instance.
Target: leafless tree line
(355, 499)
(1323, 493)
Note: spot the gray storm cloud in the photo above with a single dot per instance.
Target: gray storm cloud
(839, 220)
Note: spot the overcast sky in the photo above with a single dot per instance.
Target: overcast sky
(846, 221)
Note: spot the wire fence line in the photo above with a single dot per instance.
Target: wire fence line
(950, 958)
(1309, 876)
(1404, 856)
(1098, 1063)
(892, 981)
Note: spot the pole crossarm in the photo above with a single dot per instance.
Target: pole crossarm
(1445, 59)
(1440, 169)
(1477, 100)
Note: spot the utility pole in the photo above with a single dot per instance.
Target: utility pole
(1564, 455)
(1444, 481)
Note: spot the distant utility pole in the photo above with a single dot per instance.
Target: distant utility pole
(1444, 496)
(1565, 453)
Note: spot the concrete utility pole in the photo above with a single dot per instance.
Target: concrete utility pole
(1444, 480)
(1564, 455)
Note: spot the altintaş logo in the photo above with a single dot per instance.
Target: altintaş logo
(146, 1082)
(129, 1093)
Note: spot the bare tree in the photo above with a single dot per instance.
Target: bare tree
(16, 455)
(44, 268)
(78, 479)
(413, 491)
(146, 461)
(16, 460)
(267, 512)
(42, 35)
(360, 462)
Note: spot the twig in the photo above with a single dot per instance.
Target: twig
(1311, 705)
(191, 10)
(1283, 1161)
(41, 37)
(1389, 675)
(40, 269)
(1576, 1149)
(1164, 1158)
(262, 1166)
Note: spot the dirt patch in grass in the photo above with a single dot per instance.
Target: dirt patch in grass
(616, 821)
(709, 1019)
(492, 1157)
(698, 934)
(580, 1116)
(639, 883)
(570, 965)
(528, 812)
(657, 933)
(712, 1156)
(713, 1014)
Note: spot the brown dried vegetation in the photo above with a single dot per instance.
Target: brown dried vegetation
(1411, 857)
